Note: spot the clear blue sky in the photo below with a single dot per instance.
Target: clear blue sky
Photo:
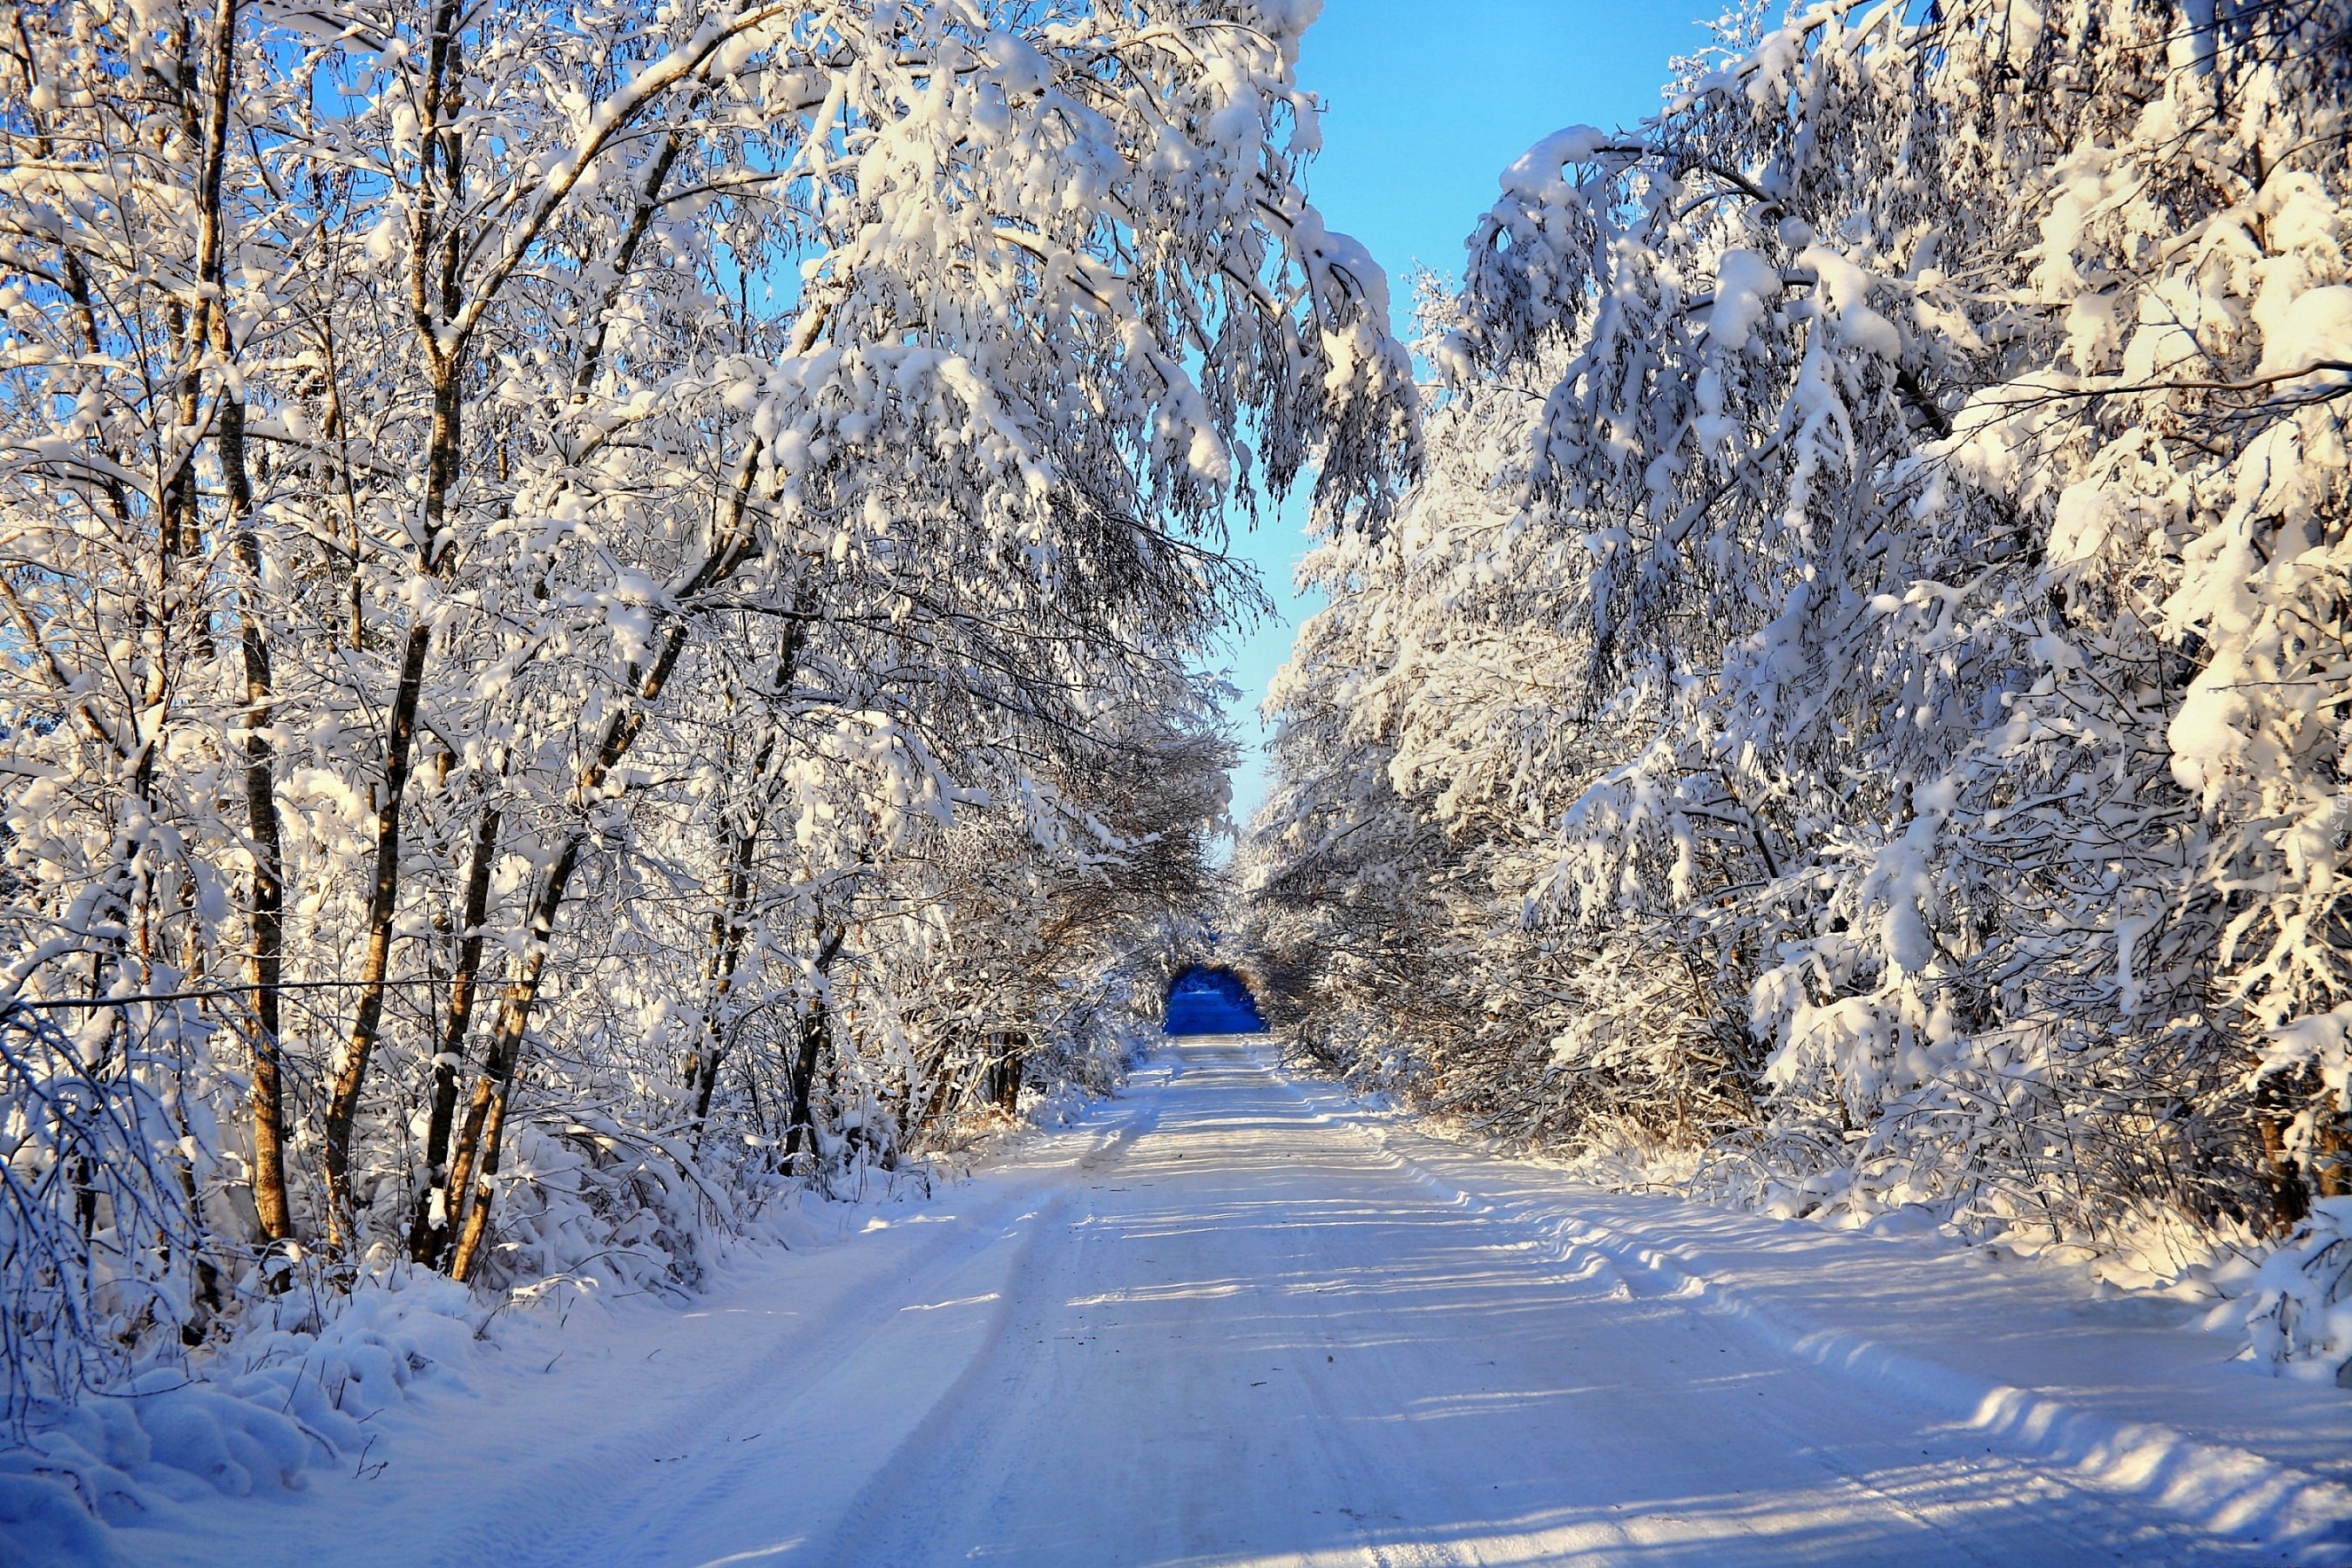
(1427, 101)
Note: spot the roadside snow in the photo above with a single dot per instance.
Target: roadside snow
(2136, 1395)
(1235, 1316)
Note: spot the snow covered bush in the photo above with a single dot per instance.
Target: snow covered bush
(1864, 675)
(2302, 1313)
(102, 1248)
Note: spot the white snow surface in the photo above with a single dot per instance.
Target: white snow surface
(1236, 1317)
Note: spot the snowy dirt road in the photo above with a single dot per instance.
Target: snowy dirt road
(1229, 1318)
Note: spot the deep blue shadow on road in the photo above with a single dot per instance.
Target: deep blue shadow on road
(1206, 1001)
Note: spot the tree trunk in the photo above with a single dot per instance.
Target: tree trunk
(726, 934)
(267, 903)
(350, 1077)
(266, 899)
(2278, 1099)
(486, 1116)
(800, 1128)
(726, 924)
(434, 299)
(399, 733)
(428, 1232)
(1005, 1072)
(2333, 1165)
(799, 1124)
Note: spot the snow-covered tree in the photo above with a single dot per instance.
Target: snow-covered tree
(601, 597)
(1870, 636)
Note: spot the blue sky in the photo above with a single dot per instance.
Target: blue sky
(1426, 102)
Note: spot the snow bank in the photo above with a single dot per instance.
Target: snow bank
(2294, 1306)
(292, 1394)
(2219, 1487)
(2228, 1491)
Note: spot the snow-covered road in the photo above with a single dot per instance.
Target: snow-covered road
(1229, 1318)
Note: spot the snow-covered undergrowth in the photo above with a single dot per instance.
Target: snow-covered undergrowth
(294, 1390)
(2300, 1314)
(1860, 688)
(2159, 1253)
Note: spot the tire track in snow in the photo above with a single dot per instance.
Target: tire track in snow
(1515, 1382)
(936, 1449)
(955, 1480)
(575, 1504)
(1576, 1266)
(1385, 1460)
